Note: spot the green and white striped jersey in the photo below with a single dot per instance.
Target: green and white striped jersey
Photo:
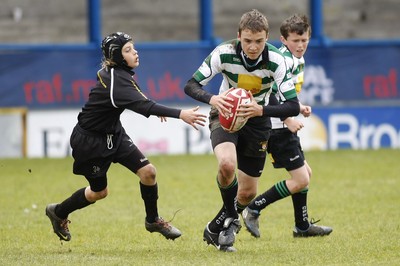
(227, 60)
(296, 67)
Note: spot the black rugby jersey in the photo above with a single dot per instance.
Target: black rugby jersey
(115, 91)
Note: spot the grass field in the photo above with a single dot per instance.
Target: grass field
(355, 192)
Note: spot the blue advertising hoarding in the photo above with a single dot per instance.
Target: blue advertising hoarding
(351, 74)
(328, 128)
(334, 128)
(63, 79)
(42, 79)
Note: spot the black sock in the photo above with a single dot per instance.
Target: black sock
(73, 203)
(229, 196)
(300, 209)
(276, 192)
(240, 207)
(150, 197)
(217, 223)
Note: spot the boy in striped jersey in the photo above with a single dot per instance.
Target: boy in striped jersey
(284, 145)
(247, 62)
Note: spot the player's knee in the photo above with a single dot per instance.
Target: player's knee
(302, 183)
(245, 197)
(300, 179)
(102, 194)
(94, 196)
(147, 174)
(309, 170)
(227, 168)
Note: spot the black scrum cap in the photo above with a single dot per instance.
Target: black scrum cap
(111, 46)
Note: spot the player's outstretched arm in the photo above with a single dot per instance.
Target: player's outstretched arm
(192, 117)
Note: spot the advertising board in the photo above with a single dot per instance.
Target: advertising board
(327, 129)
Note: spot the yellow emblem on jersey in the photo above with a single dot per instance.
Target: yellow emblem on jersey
(250, 83)
(299, 82)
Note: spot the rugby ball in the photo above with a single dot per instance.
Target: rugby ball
(230, 122)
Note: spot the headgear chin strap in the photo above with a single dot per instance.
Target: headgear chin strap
(111, 47)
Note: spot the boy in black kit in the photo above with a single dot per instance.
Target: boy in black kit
(99, 139)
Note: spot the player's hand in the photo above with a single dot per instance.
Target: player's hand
(192, 117)
(222, 103)
(293, 125)
(305, 110)
(162, 118)
(250, 110)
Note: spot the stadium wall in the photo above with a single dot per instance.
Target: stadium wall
(353, 87)
(354, 92)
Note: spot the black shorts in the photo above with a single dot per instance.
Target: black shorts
(250, 141)
(285, 150)
(93, 154)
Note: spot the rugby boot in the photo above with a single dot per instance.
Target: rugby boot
(313, 230)
(166, 229)
(212, 239)
(60, 226)
(227, 235)
(250, 220)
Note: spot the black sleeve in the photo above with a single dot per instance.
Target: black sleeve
(196, 91)
(148, 107)
(286, 109)
(274, 101)
(162, 110)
